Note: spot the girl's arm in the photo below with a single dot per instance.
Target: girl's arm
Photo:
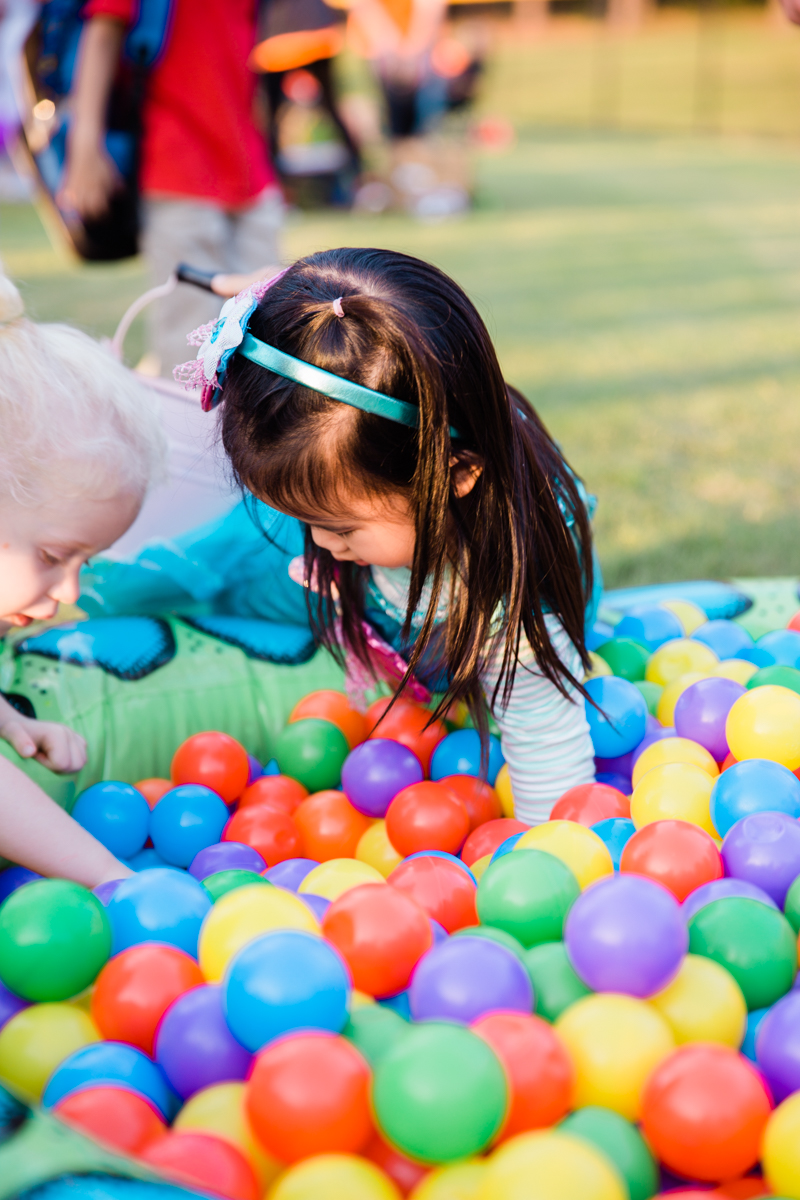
(37, 834)
(55, 746)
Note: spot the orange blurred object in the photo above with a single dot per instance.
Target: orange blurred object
(444, 890)
(336, 708)
(478, 797)
(535, 1060)
(591, 802)
(381, 934)
(114, 1116)
(136, 987)
(728, 761)
(487, 838)
(406, 723)
(403, 1172)
(426, 816)
(153, 789)
(202, 1159)
(329, 826)
(280, 791)
(274, 834)
(214, 759)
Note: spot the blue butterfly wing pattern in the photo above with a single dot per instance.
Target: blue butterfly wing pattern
(264, 640)
(128, 647)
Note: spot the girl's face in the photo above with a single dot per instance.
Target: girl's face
(43, 547)
(375, 532)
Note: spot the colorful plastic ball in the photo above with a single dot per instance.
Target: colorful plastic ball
(537, 1067)
(725, 638)
(676, 854)
(113, 1116)
(309, 1094)
(10, 1004)
(135, 989)
(160, 905)
(215, 760)
(243, 915)
(54, 938)
(426, 816)
(678, 658)
(153, 789)
(399, 1168)
(333, 878)
(737, 669)
(677, 791)
(185, 821)
(318, 905)
(764, 849)
(381, 934)
(373, 1029)
(116, 814)
(225, 856)
(581, 850)
(222, 882)
(780, 1150)
(279, 791)
(291, 872)
(111, 1063)
(478, 797)
(441, 889)
(564, 1168)
(399, 1004)
(460, 754)
(334, 1177)
(755, 943)
(617, 723)
(35, 1040)
(755, 785)
(651, 694)
(220, 1110)
(376, 771)
(626, 934)
(440, 1093)
(665, 709)
(194, 1046)
(778, 1046)
(704, 1111)
(336, 708)
(704, 1003)
(375, 849)
(615, 833)
(702, 711)
(626, 658)
(330, 827)
(313, 752)
(723, 889)
(765, 723)
(555, 983)
(466, 977)
(791, 906)
(486, 838)
(13, 878)
(651, 625)
(758, 656)
(407, 723)
(528, 894)
(146, 860)
(589, 803)
(200, 1160)
(621, 1142)
(787, 677)
(272, 833)
(669, 750)
(505, 847)
(783, 645)
(754, 1021)
(505, 792)
(614, 1042)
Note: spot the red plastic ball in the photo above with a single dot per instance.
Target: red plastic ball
(478, 797)
(794, 623)
(486, 838)
(136, 987)
(442, 889)
(539, 1070)
(426, 816)
(153, 789)
(381, 934)
(704, 1110)
(678, 854)
(272, 833)
(308, 1093)
(279, 791)
(114, 1116)
(403, 1172)
(329, 826)
(336, 708)
(589, 803)
(728, 761)
(202, 1159)
(408, 724)
(216, 760)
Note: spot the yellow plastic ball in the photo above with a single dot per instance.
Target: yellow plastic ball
(502, 785)
(334, 1177)
(765, 723)
(244, 914)
(375, 849)
(676, 791)
(665, 709)
(615, 1042)
(360, 999)
(691, 616)
(704, 1003)
(563, 1167)
(580, 848)
(599, 666)
(737, 669)
(220, 1110)
(36, 1040)
(673, 750)
(677, 658)
(456, 1181)
(333, 878)
(780, 1149)
(480, 865)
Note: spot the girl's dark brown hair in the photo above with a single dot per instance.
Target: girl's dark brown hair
(410, 332)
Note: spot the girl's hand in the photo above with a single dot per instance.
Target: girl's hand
(57, 747)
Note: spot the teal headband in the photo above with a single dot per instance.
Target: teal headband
(328, 384)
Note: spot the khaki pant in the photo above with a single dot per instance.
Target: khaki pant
(200, 233)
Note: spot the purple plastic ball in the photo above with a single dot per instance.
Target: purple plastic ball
(104, 891)
(723, 889)
(10, 1004)
(465, 977)
(318, 904)
(440, 934)
(226, 856)
(376, 771)
(195, 1047)
(778, 1046)
(291, 872)
(764, 849)
(254, 769)
(626, 934)
(653, 735)
(702, 710)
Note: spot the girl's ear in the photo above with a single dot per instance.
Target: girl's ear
(465, 471)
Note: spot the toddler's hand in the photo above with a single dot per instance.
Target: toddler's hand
(55, 746)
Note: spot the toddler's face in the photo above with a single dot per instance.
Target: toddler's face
(377, 532)
(43, 547)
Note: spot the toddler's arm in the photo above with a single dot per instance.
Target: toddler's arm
(55, 746)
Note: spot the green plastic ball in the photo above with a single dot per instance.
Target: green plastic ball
(791, 908)
(54, 939)
(528, 894)
(621, 1143)
(555, 984)
(440, 1093)
(651, 692)
(312, 751)
(222, 882)
(751, 940)
(374, 1030)
(626, 658)
(788, 677)
(493, 935)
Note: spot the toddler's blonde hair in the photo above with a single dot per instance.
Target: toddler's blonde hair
(73, 420)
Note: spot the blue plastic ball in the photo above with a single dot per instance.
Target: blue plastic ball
(284, 981)
(619, 722)
(598, 635)
(114, 1064)
(758, 656)
(399, 1003)
(15, 877)
(783, 645)
(649, 624)
(506, 847)
(159, 905)
(460, 754)
(755, 785)
(116, 814)
(616, 832)
(754, 1019)
(185, 821)
(146, 859)
(725, 638)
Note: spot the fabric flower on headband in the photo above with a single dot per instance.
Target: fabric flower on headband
(218, 341)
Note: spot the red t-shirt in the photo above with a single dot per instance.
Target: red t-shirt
(199, 136)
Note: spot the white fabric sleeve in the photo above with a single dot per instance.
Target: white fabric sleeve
(545, 736)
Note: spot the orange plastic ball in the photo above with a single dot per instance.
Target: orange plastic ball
(336, 708)
(136, 987)
(153, 789)
(678, 854)
(272, 833)
(381, 934)
(426, 816)
(329, 826)
(279, 791)
(408, 724)
(478, 797)
(114, 1116)
(487, 838)
(200, 1159)
(591, 802)
(539, 1071)
(444, 890)
(216, 760)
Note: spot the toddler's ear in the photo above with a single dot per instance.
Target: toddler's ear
(465, 471)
